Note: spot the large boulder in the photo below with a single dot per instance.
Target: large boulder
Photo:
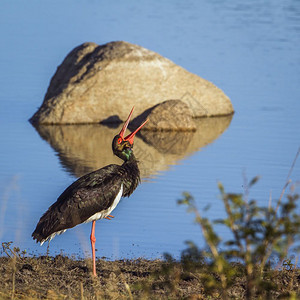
(167, 116)
(96, 82)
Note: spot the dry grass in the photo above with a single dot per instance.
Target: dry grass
(61, 277)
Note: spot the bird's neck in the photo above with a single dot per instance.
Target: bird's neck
(131, 158)
(131, 164)
(132, 177)
(126, 155)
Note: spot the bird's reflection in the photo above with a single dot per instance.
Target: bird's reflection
(85, 148)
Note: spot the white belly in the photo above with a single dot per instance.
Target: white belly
(104, 213)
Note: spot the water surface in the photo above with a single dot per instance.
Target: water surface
(249, 49)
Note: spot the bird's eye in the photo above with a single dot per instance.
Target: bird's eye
(119, 140)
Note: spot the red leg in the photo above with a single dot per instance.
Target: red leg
(109, 217)
(93, 241)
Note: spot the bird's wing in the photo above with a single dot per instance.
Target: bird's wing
(90, 194)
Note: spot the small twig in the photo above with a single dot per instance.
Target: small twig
(268, 246)
(281, 195)
(246, 188)
(14, 279)
(81, 291)
(128, 290)
(293, 164)
(288, 180)
(270, 202)
(5, 251)
(232, 224)
(127, 287)
(214, 252)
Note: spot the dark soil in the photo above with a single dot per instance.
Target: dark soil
(61, 277)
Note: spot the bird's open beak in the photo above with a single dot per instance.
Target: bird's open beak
(130, 137)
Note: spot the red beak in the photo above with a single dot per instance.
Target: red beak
(130, 137)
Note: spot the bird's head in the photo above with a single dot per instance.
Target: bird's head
(122, 146)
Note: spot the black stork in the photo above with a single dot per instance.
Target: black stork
(95, 195)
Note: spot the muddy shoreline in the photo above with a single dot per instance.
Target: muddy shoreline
(61, 277)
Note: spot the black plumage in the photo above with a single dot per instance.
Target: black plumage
(95, 195)
(92, 193)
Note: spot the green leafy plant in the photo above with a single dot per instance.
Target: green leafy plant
(259, 235)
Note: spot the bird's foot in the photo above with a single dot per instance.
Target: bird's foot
(109, 217)
(95, 274)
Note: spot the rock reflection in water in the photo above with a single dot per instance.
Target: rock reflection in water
(85, 148)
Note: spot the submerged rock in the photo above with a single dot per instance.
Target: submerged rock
(96, 82)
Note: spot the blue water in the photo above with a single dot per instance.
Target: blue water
(249, 49)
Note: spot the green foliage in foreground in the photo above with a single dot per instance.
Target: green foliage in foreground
(258, 234)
